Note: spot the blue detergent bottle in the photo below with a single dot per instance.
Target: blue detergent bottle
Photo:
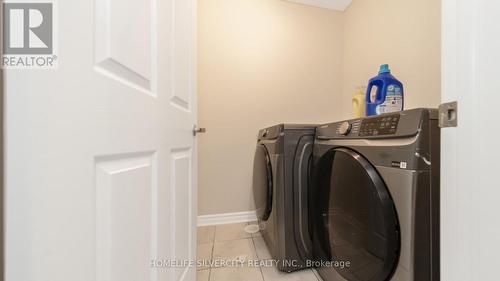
(389, 96)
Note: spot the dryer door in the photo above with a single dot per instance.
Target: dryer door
(359, 221)
(263, 183)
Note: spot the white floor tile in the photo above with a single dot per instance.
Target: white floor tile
(206, 234)
(203, 275)
(234, 249)
(228, 232)
(236, 274)
(273, 274)
(261, 248)
(204, 253)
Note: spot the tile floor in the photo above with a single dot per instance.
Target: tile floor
(231, 241)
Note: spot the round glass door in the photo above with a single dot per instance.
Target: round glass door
(359, 219)
(263, 183)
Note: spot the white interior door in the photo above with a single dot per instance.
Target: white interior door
(470, 168)
(100, 156)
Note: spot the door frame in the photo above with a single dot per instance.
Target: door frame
(469, 185)
(2, 161)
(2, 259)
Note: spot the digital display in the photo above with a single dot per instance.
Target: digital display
(380, 126)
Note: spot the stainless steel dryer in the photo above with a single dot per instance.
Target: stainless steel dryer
(282, 167)
(376, 198)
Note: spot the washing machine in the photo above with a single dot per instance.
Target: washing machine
(376, 198)
(282, 168)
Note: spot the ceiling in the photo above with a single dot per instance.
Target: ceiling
(338, 5)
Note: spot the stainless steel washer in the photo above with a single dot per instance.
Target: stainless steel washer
(376, 197)
(281, 177)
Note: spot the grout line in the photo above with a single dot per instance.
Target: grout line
(234, 239)
(257, 255)
(211, 260)
(212, 253)
(215, 233)
(244, 238)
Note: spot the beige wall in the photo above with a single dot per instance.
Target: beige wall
(404, 33)
(261, 62)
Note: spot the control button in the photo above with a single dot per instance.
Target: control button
(345, 128)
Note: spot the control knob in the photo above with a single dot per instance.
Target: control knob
(345, 128)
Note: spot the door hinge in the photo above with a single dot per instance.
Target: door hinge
(448, 115)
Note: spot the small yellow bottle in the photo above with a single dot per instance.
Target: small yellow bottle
(358, 102)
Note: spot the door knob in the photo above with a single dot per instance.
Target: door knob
(197, 130)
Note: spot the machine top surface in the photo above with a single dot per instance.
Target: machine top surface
(275, 131)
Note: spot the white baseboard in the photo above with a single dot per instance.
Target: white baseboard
(227, 218)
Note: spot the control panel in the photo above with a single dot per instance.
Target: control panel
(346, 128)
(390, 125)
(379, 126)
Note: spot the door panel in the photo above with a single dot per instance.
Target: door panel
(360, 224)
(182, 214)
(100, 155)
(302, 176)
(263, 183)
(124, 196)
(182, 92)
(123, 42)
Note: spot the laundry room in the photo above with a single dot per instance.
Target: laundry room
(271, 76)
(249, 140)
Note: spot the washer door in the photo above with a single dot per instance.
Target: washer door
(359, 221)
(263, 183)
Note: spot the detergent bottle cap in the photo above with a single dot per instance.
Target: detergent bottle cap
(384, 69)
